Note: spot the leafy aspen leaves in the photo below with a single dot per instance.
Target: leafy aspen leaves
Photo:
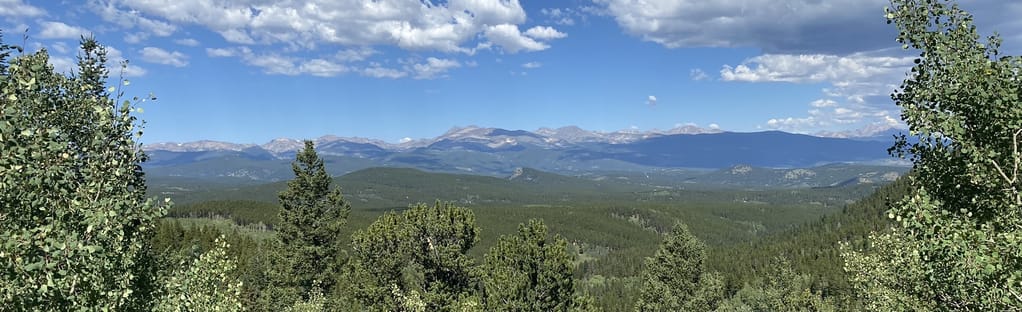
(956, 244)
(72, 194)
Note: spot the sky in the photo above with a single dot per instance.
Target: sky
(249, 71)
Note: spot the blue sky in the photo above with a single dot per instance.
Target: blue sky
(250, 71)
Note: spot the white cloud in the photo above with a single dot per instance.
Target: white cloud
(135, 37)
(698, 74)
(377, 71)
(296, 32)
(651, 100)
(119, 65)
(714, 126)
(815, 68)
(789, 26)
(532, 65)
(63, 64)
(131, 19)
(856, 95)
(408, 24)
(161, 56)
(187, 42)
(433, 68)
(511, 40)
(58, 30)
(823, 103)
(18, 8)
(60, 47)
(354, 55)
(322, 68)
(221, 52)
(544, 33)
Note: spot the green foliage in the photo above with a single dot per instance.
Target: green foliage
(781, 289)
(421, 254)
(315, 302)
(243, 212)
(810, 248)
(312, 216)
(72, 191)
(527, 272)
(673, 279)
(957, 244)
(208, 284)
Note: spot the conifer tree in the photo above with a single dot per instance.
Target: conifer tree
(527, 271)
(420, 255)
(311, 219)
(674, 280)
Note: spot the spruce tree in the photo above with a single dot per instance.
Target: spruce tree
(311, 219)
(527, 271)
(674, 277)
(418, 256)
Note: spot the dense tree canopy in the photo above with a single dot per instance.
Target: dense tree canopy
(529, 272)
(674, 278)
(958, 243)
(72, 193)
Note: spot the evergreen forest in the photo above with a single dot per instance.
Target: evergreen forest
(85, 229)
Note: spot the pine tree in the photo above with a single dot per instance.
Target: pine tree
(76, 221)
(420, 255)
(311, 219)
(529, 272)
(674, 280)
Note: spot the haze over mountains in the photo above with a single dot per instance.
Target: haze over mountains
(499, 152)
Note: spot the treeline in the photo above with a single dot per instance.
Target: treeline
(812, 248)
(79, 234)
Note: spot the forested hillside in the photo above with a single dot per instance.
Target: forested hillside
(82, 231)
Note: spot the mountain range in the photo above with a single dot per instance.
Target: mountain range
(498, 152)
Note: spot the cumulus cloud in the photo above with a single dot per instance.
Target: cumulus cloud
(161, 56)
(651, 100)
(18, 8)
(303, 31)
(131, 19)
(544, 33)
(799, 26)
(408, 24)
(63, 64)
(433, 68)
(560, 16)
(815, 68)
(511, 40)
(58, 30)
(857, 89)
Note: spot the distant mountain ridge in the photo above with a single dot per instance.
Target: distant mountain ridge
(498, 152)
(489, 136)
